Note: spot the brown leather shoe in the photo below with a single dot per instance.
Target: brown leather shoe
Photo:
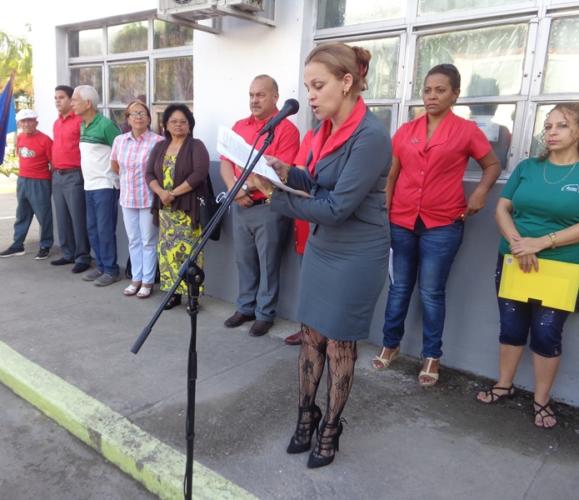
(295, 339)
(260, 328)
(237, 320)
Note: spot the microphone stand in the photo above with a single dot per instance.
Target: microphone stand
(193, 275)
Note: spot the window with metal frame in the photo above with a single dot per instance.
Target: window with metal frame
(516, 57)
(145, 59)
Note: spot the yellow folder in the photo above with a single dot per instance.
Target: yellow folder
(556, 284)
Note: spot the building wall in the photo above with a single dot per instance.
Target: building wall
(223, 67)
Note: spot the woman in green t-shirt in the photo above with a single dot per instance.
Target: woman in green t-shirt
(538, 216)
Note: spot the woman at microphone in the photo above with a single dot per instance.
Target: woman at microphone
(345, 261)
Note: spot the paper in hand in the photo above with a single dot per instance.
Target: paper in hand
(234, 147)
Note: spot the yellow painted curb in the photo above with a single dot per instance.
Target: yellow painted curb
(157, 466)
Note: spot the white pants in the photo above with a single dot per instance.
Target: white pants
(142, 235)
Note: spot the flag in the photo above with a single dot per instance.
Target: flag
(7, 115)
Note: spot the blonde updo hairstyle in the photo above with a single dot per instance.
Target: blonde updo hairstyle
(570, 111)
(341, 59)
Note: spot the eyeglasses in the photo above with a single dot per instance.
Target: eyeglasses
(138, 114)
(178, 122)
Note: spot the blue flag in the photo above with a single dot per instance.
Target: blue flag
(7, 115)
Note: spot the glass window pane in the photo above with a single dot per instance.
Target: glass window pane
(174, 79)
(490, 60)
(496, 121)
(171, 35)
(444, 6)
(562, 70)
(118, 116)
(384, 113)
(127, 82)
(333, 13)
(538, 143)
(383, 67)
(130, 37)
(88, 75)
(85, 43)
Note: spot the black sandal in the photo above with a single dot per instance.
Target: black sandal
(174, 301)
(543, 412)
(495, 398)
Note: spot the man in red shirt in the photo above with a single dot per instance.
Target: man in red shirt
(33, 187)
(68, 185)
(259, 233)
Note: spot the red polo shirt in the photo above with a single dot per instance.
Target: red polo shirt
(34, 153)
(65, 150)
(285, 144)
(430, 180)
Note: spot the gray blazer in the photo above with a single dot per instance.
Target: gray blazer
(348, 186)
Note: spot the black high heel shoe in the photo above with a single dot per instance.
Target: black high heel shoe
(174, 301)
(325, 444)
(302, 439)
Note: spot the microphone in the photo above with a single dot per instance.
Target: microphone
(290, 107)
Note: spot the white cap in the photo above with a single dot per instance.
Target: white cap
(26, 114)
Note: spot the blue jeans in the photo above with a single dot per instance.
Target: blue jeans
(518, 319)
(427, 254)
(33, 196)
(102, 207)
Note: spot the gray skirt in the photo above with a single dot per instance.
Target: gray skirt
(342, 276)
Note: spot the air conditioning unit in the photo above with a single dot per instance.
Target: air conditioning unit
(206, 9)
(246, 5)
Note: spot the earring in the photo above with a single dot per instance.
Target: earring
(345, 92)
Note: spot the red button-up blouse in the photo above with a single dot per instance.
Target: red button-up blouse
(430, 182)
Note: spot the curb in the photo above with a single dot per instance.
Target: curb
(154, 464)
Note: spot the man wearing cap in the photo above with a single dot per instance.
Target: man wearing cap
(68, 185)
(101, 184)
(33, 188)
(259, 233)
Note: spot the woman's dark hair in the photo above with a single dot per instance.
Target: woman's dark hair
(169, 110)
(66, 89)
(448, 70)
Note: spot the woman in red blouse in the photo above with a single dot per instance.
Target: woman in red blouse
(427, 208)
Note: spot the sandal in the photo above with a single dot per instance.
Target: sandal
(544, 412)
(132, 289)
(495, 396)
(427, 373)
(145, 292)
(382, 362)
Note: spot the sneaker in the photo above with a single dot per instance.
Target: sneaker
(92, 275)
(106, 279)
(42, 254)
(11, 252)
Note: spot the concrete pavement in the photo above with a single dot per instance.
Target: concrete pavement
(402, 442)
(39, 459)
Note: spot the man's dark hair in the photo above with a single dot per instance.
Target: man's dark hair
(66, 89)
(169, 110)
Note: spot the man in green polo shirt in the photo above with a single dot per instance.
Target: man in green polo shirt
(101, 184)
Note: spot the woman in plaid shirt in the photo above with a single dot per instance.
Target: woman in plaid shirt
(129, 159)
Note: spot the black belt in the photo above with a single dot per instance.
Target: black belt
(263, 201)
(64, 171)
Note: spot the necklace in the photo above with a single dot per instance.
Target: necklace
(558, 180)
